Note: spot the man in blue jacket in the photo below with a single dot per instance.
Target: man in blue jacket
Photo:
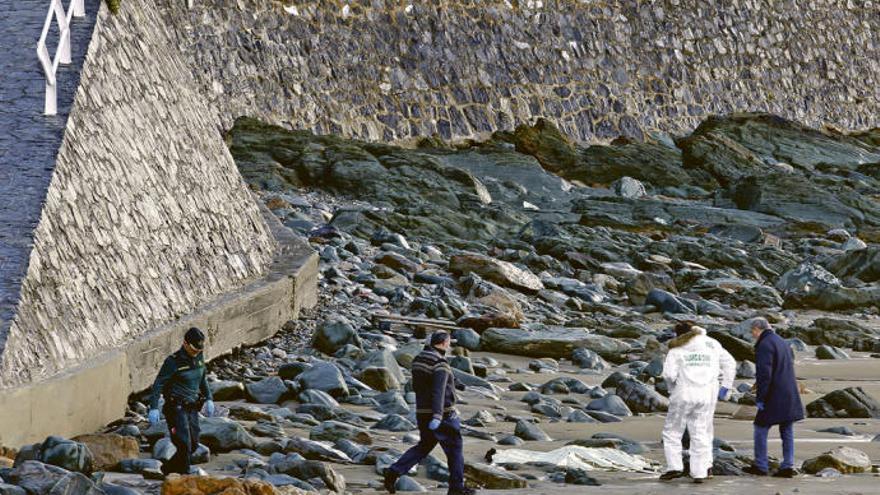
(778, 398)
(182, 381)
(434, 385)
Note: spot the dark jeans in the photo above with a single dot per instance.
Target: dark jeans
(786, 431)
(448, 435)
(183, 424)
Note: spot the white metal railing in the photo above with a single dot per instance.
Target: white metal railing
(77, 8)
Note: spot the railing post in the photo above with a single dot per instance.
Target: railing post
(64, 46)
(62, 52)
(50, 107)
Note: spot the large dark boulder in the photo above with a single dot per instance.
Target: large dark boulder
(57, 451)
(224, 435)
(850, 402)
(778, 167)
(553, 342)
(838, 333)
(737, 347)
(828, 352)
(553, 150)
(324, 376)
(655, 163)
(641, 398)
(755, 143)
(811, 286)
(862, 264)
(269, 390)
(37, 478)
(334, 333)
(667, 302)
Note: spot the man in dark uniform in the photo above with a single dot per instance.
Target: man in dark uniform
(434, 385)
(182, 381)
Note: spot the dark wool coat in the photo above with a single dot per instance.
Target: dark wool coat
(776, 382)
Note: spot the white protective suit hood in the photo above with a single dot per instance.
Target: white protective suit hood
(694, 364)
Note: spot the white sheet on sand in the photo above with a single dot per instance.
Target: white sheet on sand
(574, 456)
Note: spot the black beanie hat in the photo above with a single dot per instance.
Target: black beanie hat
(195, 338)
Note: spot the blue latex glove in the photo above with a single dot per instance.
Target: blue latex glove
(153, 416)
(434, 424)
(722, 393)
(209, 408)
(760, 406)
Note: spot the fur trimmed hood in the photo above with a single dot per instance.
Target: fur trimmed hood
(684, 339)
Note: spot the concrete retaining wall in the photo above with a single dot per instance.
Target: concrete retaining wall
(86, 397)
(147, 229)
(391, 69)
(146, 217)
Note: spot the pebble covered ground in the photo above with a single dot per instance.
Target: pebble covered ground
(560, 271)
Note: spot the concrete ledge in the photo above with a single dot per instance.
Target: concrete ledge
(88, 397)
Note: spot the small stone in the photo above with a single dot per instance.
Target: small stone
(611, 404)
(394, 422)
(830, 352)
(589, 360)
(267, 391)
(223, 390)
(829, 473)
(334, 333)
(580, 477)
(511, 440)
(332, 431)
(627, 187)
(407, 484)
(492, 478)
(530, 431)
(381, 379)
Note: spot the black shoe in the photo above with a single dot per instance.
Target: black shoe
(699, 481)
(671, 475)
(755, 471)
(390, 480)
(462, 491)
(785, 473)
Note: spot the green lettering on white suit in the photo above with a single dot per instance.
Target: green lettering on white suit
(695, 359)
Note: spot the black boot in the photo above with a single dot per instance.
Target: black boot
(785, 473)
(671, 475)
(755, 471)
(390, 480)
(462, 491)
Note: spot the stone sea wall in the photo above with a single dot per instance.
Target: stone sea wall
(389, 70)
(146, 218)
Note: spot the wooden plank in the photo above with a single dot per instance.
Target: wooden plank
(413, 319)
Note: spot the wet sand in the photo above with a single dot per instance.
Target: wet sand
(819, 377)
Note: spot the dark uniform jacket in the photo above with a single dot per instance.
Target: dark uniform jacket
(433, 383)
(776, 382)
(181, 379)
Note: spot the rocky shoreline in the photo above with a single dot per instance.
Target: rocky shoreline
(560, 270)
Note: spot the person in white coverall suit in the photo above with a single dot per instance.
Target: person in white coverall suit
(691, 370)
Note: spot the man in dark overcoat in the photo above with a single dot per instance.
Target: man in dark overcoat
(777, 397)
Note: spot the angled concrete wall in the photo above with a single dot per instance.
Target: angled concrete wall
(147, 229)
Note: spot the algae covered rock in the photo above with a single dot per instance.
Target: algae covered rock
(843, 459)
